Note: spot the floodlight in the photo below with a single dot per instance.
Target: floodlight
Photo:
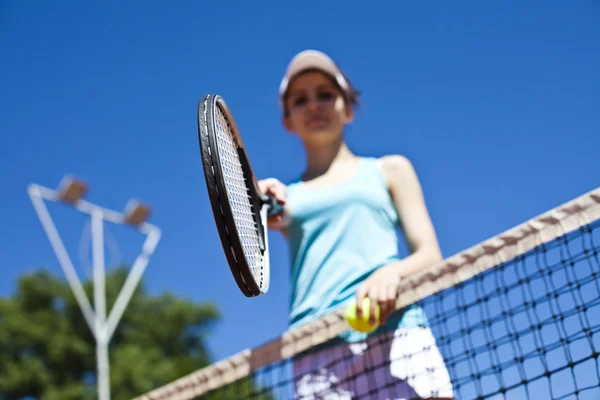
(136, 212)
(71, 190)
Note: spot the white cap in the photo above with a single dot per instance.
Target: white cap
(312, 59)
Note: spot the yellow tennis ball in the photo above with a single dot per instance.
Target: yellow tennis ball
(362, 324)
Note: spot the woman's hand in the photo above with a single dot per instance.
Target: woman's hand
(381, 287)
(277, 190)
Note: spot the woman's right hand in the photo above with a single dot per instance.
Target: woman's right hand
(276, 189)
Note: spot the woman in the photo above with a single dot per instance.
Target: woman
(340, 220)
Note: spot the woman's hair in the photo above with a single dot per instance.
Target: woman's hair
(351, 96)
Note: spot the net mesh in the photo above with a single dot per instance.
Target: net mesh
(514, 317)
(239, 199)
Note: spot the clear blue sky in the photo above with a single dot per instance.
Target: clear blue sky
(496, 103)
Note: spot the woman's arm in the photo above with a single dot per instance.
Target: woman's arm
(407, 195)
(405, 189)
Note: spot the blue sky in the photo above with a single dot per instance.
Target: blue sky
(495, 103)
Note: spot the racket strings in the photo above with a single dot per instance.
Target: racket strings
(239, 198)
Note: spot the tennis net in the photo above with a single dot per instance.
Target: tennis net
(514, 317)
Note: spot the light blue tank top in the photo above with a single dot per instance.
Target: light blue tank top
(337, 237)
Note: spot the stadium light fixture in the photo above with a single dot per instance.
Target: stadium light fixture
(71, 191)
(136, 213)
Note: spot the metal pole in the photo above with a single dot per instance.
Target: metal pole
(137, 270)
(63, 257)
(100, 305)
(103, 369)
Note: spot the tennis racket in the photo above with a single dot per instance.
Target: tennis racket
(239, 208)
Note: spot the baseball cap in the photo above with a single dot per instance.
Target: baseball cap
(312, 59)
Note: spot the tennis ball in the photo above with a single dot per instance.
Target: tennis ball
(362, 324)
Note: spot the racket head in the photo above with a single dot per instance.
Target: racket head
(236, 201)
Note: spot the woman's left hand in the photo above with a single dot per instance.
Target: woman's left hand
(381, 287)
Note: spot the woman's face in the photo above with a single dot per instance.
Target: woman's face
(316, 108)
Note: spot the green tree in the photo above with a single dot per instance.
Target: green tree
(48, 352)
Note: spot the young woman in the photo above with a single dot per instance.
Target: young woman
(341, 217)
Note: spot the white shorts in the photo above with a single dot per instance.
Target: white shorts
(400, 365)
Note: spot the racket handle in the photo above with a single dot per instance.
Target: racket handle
(275, 207)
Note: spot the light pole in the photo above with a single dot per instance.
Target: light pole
(135, 214)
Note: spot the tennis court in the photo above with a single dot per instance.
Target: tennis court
(514, 317)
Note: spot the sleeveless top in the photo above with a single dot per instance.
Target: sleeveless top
(337, 237)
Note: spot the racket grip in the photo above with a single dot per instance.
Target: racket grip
(275, 207)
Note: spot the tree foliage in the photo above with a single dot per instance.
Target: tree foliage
(48, 352)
